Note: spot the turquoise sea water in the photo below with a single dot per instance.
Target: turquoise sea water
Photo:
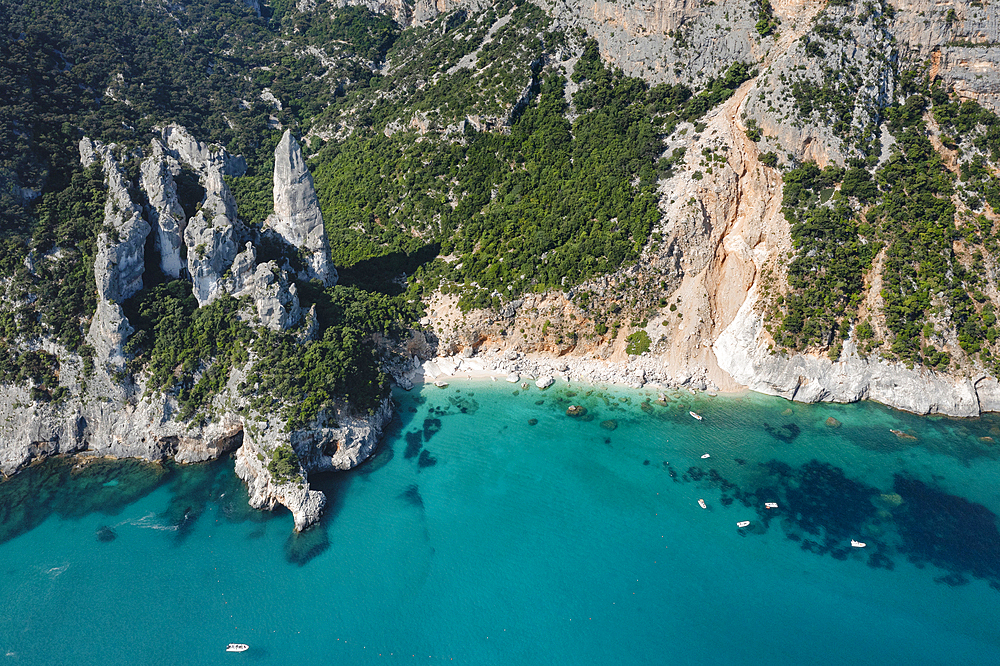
(478, 536)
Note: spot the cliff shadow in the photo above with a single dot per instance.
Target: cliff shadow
(381, 273)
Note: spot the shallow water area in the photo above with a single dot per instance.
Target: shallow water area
(493, 528)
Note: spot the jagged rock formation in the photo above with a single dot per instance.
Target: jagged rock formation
(165, 212)
(211, 235)
(104, 416)
(297, 219)
(119, 263)
(275, 298)
(202, 157)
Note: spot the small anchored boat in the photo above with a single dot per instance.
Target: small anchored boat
(707, 455)
(696, 415)
(858, 544)
(702, 504)
(770, 505)
(743, 523)
(237, 647)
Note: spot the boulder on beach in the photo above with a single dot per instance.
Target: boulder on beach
(833, 423)
(545, 381)
(513, 378)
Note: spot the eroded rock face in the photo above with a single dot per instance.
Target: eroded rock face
(165, 212)
(273, 294)
(742, 351)
(210, 237)
(297, 219)
(202, 157)
(212, 234)
(119, 262)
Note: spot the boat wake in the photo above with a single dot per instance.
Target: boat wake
(56, 571)
(149, 522)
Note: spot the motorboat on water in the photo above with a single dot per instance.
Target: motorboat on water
(237, 647)
(702, 504)
(707, 455)
(743, 523)
(858, 544)
(696, 415)
(770, 505)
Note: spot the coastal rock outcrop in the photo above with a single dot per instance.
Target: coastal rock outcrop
(297, 219)
(742, 351)
(317, 447)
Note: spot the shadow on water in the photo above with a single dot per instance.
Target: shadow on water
(73, 488)
(302, 547)
(822, 510)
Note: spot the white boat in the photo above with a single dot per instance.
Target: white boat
(770, 505)
(237, 647)
(743, 523)
(858, 544)
(702, 504)
(696, 415)
(707, 455)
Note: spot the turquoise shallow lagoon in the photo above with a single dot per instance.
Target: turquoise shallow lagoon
(491, 528)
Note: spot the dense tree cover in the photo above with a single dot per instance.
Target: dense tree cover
(284, 464)
(192, 351)
(906, 211)
(547, 205)
(183, 346)
(113, 69)
(825, 277)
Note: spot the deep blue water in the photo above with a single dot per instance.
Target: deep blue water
(477, 537)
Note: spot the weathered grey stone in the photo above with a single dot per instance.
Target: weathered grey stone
(297, 218)
(742, 351)
(210, 237)
(119, 261)
(274, 296)
(165, 212)
(202, 157)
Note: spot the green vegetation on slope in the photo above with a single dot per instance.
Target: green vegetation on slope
(932, 258)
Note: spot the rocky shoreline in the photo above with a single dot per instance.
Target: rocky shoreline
(799, 378)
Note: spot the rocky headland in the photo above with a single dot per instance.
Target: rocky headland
(112, 413)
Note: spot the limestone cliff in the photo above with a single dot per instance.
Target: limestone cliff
(722, 239)
(118, 265)
(165, 212)
(318, 448)
(268, 287)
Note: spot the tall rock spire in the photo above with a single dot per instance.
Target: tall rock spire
(297, 218)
